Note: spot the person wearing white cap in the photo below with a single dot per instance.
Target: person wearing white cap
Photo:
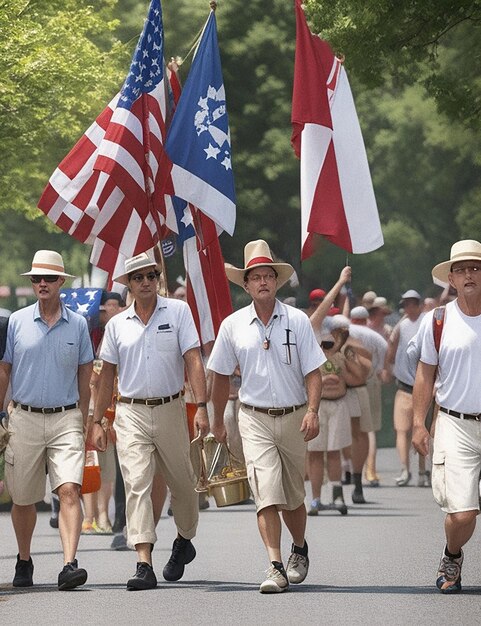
(149, 344)
(48, 359)
(455, 367)
(397, 360)
(279, 358)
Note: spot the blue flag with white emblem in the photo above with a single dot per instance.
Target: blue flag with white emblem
(198, 142)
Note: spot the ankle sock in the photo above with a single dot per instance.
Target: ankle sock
(279, 567)
(451, 556)
(297, 550)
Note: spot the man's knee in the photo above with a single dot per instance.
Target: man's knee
(463, 518)
(69, 493)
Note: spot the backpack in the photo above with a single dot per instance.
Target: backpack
(438, 325)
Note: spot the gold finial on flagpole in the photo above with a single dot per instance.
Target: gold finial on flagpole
(213, 5)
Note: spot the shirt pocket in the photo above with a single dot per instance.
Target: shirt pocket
(68, 354)
(166, 340)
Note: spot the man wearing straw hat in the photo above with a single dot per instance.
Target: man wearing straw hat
(48, 359)
(457, 439)
(149, 344)
(279, 359)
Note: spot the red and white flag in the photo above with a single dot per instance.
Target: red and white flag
(337, 196)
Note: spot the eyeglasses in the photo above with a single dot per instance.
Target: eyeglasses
(472, 269)
(151, 276)
(49, 278)
(257, 278)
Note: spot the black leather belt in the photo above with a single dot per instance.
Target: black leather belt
(273, 412)
(462, 416)
(149, 401)
(46, 410)
(404, 387)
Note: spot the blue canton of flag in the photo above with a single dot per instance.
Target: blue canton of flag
(147, 67)
(85, 301)
(198, 142)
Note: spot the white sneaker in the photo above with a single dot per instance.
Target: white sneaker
(276, 581)
(297, 568)
(424, 479)
(404, 478)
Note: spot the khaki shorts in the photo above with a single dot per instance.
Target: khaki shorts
(275, 453)
(456, 463)
(107, 463)
(352, 401)
(374, 391)
(365, 423)
(334, 427)
(403, 411)
(40, 443)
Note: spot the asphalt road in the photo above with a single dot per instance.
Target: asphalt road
(376, 565)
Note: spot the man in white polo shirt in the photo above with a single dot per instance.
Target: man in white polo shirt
(279, 358)
(149, 344)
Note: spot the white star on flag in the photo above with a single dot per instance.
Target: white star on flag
(211, 152)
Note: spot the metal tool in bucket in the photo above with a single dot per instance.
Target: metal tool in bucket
(226, 478)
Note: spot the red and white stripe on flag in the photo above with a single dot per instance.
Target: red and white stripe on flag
(337, 196)
(208, 293)
(106, 188)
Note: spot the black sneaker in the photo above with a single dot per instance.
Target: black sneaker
(71, 576)
(144, 578)
(183, 552)
(23, 573)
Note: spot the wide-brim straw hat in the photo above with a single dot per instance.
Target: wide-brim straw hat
(46, 263)
(464, 250)
(258, 254)
(134, 264)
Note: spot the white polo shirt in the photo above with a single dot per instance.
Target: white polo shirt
(273, 377)
(149, 357)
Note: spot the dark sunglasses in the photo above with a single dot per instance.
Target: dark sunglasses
(151, 276)
(327, 345)
(49, 278)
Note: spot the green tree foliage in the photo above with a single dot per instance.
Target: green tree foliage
(431, 42)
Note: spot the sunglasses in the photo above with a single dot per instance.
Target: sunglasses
(49, 278)
(151, 276)
(327, 345)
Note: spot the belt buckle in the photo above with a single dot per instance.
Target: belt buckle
(276, 412)
(150, 401)
(48, 411)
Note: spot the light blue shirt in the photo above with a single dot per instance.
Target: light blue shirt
(45, 360)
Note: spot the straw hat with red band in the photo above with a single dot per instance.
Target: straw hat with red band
(257, 254)
(47, 263)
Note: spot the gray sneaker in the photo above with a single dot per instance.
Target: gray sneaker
(297, 568)
(275, 582)
(449, 574)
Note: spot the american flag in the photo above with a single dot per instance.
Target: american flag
(208, 293)
(106, 187)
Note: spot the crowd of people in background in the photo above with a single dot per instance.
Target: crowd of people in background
(363, 346)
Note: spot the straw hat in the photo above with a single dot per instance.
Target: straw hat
(464, 250)
(258, 254)
(135, 263)
(47, 262)
(380, 303)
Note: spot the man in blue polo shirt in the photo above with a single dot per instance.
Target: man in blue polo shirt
(48, 360)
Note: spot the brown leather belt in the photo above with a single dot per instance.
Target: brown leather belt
(462, 416)
(46, 410)
(280, 412)
(149, 401)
